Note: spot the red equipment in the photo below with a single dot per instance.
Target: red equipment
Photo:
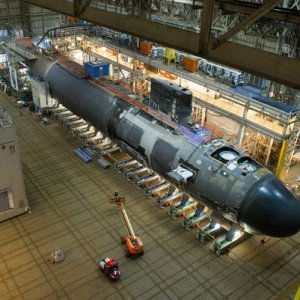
(109, 266)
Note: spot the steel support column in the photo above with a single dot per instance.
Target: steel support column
(25, 19)
(84, 7)
(281, 158)
(76, 11)
(204, 39)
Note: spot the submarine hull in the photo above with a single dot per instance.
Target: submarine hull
(220, 175)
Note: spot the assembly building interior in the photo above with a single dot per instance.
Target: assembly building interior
(149, 149)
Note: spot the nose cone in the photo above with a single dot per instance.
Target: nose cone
(271, 209)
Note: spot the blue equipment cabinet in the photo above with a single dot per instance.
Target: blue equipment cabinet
(97, 69)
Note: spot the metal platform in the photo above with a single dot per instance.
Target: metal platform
(244, 110)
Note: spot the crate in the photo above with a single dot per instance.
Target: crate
(72, 20)
(114, 52)
(96, 69)
(158, 52)
(145, 48)
(190, 64)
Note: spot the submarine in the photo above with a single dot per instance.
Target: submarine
(216, 173)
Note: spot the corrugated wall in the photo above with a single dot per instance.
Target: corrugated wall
(11, 12)
(23, 17)
(42, 19)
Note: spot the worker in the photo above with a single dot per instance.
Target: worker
(117, 199)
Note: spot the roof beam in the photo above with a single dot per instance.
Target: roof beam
(248, 21)
(60, 6)
(84, 7)
(268, 65)
(281, 14)
(278, 13)
(165, 35)
(265, 64)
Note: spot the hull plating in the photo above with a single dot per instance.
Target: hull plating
(223, 178)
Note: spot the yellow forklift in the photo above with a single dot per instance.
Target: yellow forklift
(133, 242)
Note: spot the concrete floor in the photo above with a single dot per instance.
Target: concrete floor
(70, 210)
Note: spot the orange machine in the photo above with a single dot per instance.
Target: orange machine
(145, 48)
(72, 20)
(190, 64)
(133, 242)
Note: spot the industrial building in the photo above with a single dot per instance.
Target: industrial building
(183, 114)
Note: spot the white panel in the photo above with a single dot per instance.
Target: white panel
(13, 200)
(39, 93)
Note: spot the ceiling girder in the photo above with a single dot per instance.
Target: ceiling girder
(84, 6)
(59, 6)
(285, 15)
(249, 20)
(265, 64)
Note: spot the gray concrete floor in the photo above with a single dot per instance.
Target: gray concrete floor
(70, 210)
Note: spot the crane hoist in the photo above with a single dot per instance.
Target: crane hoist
(133, 242)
